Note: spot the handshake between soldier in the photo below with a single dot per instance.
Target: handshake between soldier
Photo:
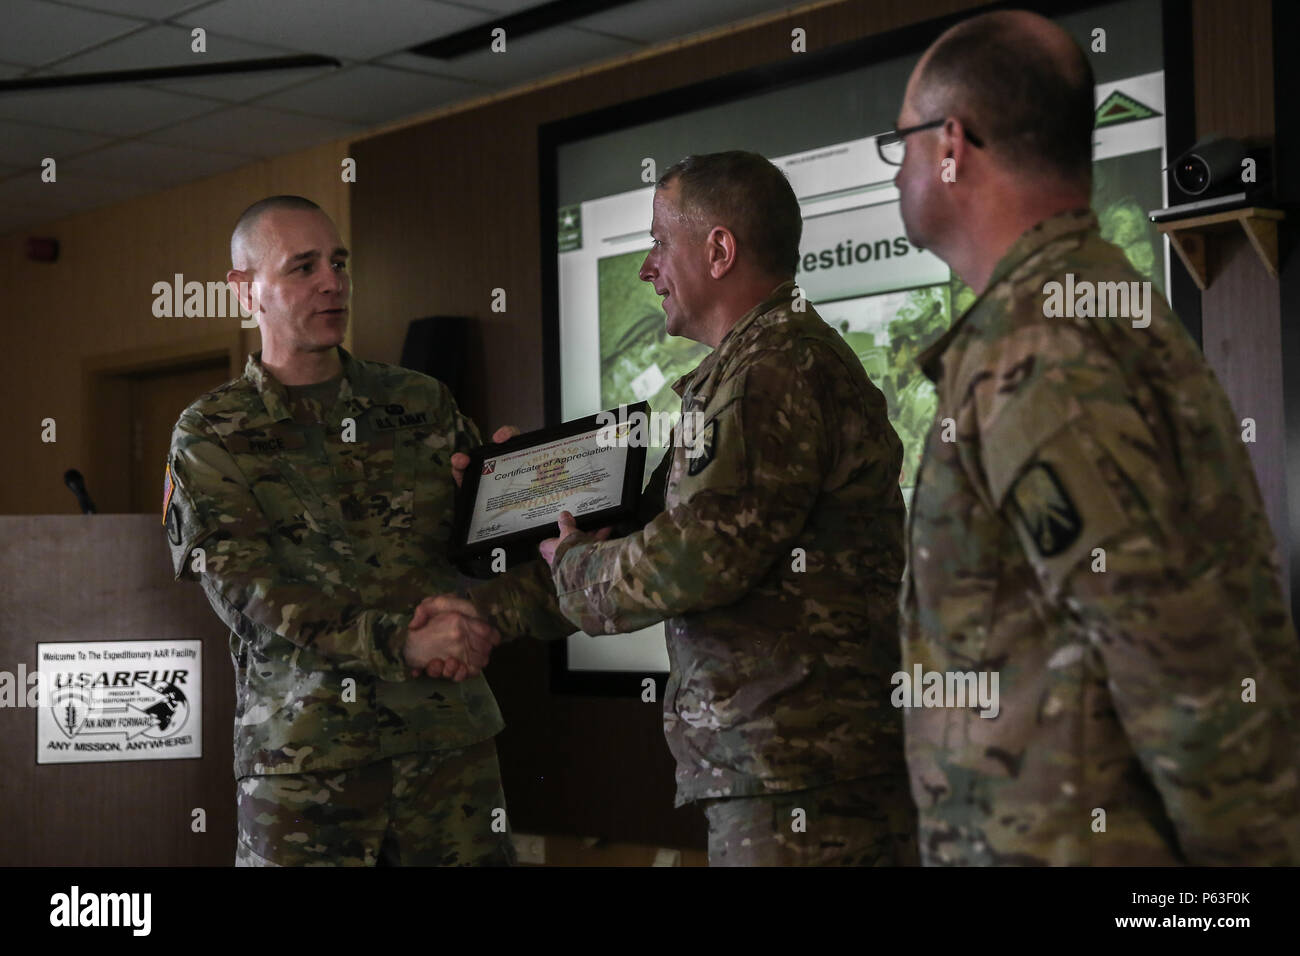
(447, 637)
(452, 627)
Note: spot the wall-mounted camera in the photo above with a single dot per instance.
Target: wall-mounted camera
(1211, 167)
(1218, 173)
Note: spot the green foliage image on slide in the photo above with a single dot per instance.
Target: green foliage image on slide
(1123, 189)
(887, 332)
(639, 360)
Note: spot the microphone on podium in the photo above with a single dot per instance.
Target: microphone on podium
(72, 478)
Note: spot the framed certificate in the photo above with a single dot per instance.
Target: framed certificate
(513, 493)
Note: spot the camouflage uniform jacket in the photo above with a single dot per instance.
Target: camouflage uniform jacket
(317, 551)
(1087, 526)
(775, 562)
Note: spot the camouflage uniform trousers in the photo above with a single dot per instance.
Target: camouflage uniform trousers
(420, 809)
(866, 822)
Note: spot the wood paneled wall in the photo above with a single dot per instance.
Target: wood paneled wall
(1241, 310)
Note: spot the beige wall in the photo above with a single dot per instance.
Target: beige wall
(97, 300)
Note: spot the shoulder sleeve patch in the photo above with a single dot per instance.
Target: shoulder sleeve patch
(1044, 509)
(705, 447)
(181, 522)
(1063, 507)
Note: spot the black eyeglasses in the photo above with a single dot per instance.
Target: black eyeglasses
(891, 147)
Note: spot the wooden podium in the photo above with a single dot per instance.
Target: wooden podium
(108, 578)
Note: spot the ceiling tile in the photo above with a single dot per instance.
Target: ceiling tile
(253, 132)
(371, 95)
(526, 58)
(151, 164)
(334, 27)
(673, 19)
(165, 46)
(119, 110)
(26, 146)
(238, 87)
(146, 9)
(36, 33)
(170, 46)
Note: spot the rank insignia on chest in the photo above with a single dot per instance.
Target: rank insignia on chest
(1045, 510)
(703, 448)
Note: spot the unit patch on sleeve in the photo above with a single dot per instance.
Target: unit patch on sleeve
(706, 443)
(1045, 510)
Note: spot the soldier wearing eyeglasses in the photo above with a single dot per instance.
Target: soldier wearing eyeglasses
(1086, 524)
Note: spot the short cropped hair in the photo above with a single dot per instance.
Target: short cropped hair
(747, 195)
(248, 219)
(1029, 107)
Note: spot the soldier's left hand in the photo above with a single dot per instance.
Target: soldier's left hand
(451, 669)
(460, 460)
(567, 527)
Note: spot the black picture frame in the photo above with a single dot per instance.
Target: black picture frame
(1180, 132)
(519, 546)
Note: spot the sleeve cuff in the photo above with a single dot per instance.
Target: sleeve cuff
(561, 552)
(388, 639)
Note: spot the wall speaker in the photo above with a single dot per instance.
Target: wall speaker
(437, 346)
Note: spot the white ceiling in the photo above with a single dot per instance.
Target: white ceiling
(115, 142)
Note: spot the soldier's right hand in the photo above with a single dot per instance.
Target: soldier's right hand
(460, 460)
(464, 641)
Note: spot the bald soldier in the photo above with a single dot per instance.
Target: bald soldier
(772, 548)
(1086, 525)
(312, 498)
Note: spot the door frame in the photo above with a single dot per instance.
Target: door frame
(104, 395)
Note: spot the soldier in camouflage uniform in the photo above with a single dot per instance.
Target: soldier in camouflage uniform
(316, 518)
(1086, 523)
(772, 549)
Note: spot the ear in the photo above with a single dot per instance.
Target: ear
(721, 246)
(954, 146)
(242, 283)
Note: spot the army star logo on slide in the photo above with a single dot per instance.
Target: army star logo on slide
(1046, 510)
(708, 443)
